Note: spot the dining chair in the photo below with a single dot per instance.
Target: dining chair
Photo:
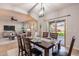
(29, 34)
(29, 49)
(20, 46)
(62, 50)
(45, 34)
(54, 35)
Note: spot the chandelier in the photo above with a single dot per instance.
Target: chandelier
(42, 11)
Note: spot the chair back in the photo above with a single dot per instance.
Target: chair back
(23, 37)
(20, 45)
(54, 35)
(27, 45)
(71, 46)
(29, 34)
(45, 34)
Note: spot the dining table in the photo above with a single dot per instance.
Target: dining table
(43, 43)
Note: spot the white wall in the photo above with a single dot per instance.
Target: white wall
(72, 22)
(5, 19)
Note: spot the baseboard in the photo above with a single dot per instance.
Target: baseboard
(74, 48)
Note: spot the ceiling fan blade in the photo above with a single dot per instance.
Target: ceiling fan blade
(12, 18)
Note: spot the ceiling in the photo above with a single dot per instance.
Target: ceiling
(25, 7)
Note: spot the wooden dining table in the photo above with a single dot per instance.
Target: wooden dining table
(45, 45)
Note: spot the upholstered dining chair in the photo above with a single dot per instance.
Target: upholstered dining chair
(54, 35)
(29, 34)
(29, 49)
(62, 50)
(45, 34)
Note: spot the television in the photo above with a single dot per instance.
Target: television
(9, 28)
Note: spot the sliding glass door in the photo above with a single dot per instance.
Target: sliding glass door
(58, 26)
(53, 27)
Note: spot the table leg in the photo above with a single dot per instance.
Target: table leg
(46, 52)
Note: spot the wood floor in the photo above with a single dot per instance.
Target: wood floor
(6, 47)
(9, 49)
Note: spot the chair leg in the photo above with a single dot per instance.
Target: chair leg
(52, 48)
(41, 54)
(26, 54)
(19, 52)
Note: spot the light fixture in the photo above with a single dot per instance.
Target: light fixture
(42, 11)
(28, 29)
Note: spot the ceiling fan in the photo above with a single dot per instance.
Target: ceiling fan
(13, 19)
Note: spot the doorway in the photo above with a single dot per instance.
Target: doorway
(59, 26)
